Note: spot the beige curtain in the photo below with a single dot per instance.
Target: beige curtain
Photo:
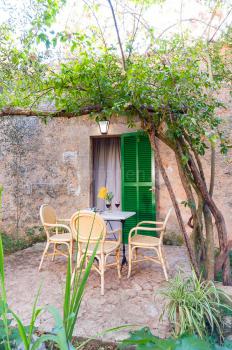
(106, 169)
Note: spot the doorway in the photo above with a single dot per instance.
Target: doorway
(106, 154)
(125, 166)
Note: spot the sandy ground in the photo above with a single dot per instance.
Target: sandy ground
(131, 301)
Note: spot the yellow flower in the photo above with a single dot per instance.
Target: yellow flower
(102, 193)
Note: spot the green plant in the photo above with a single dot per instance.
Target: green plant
(73, 296)
(109, 196)
(143, 339)
(1, 192)
(12, 244)
(3, 302)
(194, 306)
(173, 238)
(26, 332)
(12, 337)
(62, 333)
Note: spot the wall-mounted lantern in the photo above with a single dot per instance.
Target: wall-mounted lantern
(104, 126)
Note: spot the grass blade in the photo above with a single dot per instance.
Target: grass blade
(3, 297)
(67, 296)
(22, 331)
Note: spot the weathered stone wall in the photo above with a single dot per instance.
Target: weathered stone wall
(52, 164)
(46, 164)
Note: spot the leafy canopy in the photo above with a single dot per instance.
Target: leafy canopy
(169, 86)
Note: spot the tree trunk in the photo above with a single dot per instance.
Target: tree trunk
(197, 238)
(197, 235)
(199, 184)
(212, 172)
(209, 243)
(210, 256)
(155, 147)
(219, 219)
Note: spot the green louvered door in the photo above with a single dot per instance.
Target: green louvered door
(137, 179)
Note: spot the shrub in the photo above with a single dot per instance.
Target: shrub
(143, 339)
(173, 238)
(13, 244)
(194, 306)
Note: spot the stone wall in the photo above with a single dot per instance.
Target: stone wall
(52, 164)
(46, 164)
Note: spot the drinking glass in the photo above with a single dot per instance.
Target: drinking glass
(117, 204)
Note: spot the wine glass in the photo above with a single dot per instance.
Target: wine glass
(108, 205)
(117, 204)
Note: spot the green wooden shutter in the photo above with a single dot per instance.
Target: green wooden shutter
(137, 179)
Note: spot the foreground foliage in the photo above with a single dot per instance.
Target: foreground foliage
(24, 336)
(145, 340)
(195, 306)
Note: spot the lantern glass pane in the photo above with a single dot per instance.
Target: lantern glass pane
(104, 126)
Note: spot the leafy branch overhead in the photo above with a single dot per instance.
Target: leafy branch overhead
(171, 79)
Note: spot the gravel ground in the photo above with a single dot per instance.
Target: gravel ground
(131, 301)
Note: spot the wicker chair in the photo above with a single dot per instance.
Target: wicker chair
(136, 240)
(89, 229)
(57, 232)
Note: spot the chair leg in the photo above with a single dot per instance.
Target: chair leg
(78, 263)
(163, 264)
(42, 258)
(165, 261)
(129, 260)
(102, 271)
(118, 262)
(54, 252)
(136, 253)
(79, 257)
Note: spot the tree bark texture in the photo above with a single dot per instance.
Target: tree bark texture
(155, 147)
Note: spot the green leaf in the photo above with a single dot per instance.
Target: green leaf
(22, 331)
(192, 343)
(59, 330)
(54, 42)
(67, 296)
